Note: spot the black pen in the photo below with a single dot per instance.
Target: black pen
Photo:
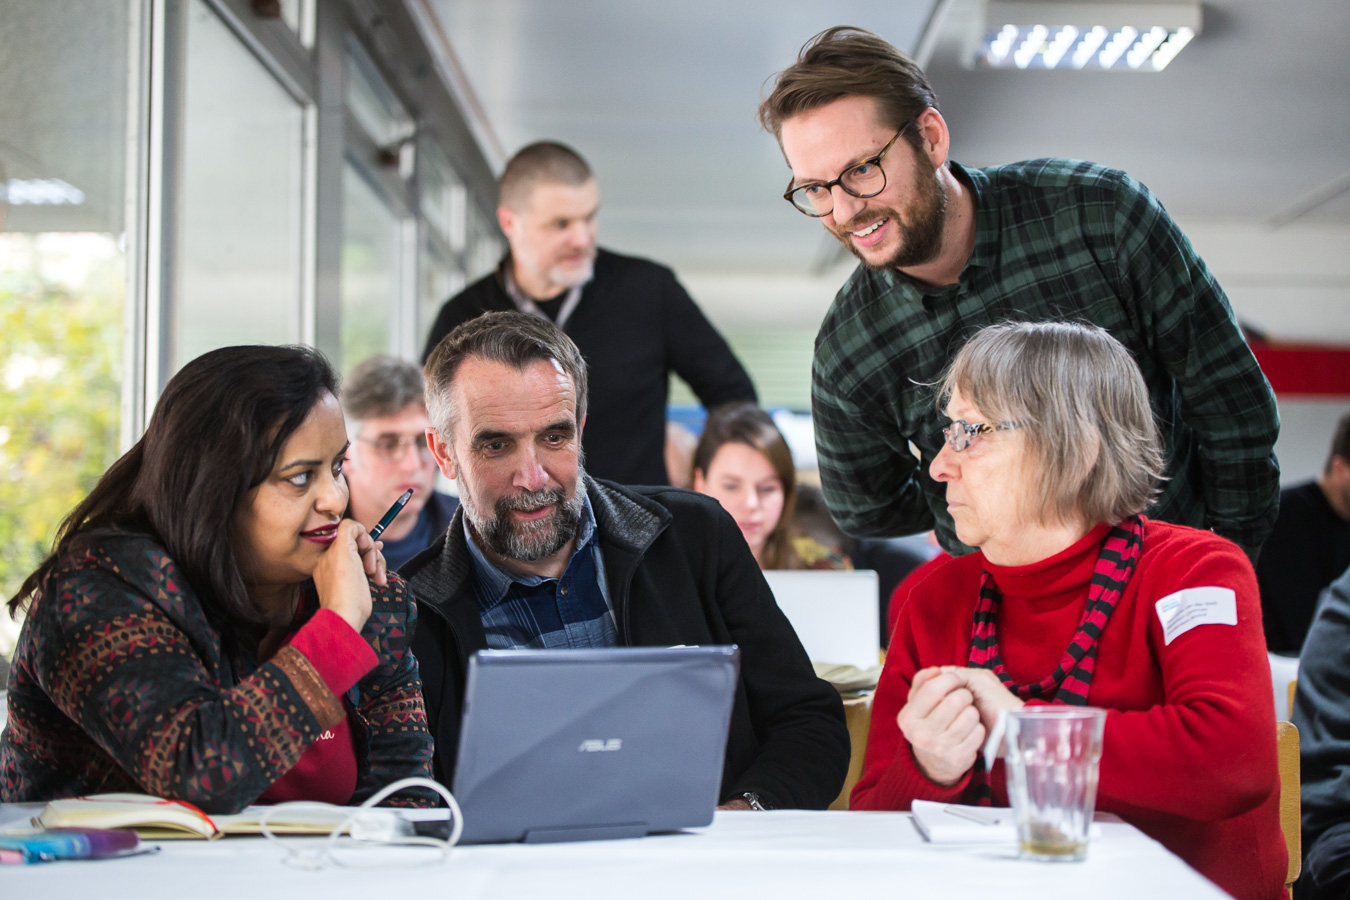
(391, 515)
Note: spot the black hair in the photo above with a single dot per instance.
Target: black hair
(214, 436)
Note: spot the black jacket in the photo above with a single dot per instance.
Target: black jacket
(1322, 713)
(679, 572)
(1308, 549)
(634, 325)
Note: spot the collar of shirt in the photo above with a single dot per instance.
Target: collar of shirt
(527, 304)
(988, 230)
(491, 581)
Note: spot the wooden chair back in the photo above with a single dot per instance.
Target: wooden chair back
(858, 717)
(1286, 744)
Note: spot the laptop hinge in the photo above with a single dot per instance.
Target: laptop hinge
(586, 833)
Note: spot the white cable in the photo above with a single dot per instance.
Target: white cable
(369, 827)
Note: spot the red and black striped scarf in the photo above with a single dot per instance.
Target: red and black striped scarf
(1070, 682)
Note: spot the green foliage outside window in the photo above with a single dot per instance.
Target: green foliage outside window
(60, 397)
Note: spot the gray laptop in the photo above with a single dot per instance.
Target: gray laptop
(567, 745)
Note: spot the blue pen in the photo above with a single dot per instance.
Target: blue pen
(392, 514)
(67, 843)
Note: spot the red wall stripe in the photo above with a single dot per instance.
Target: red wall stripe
(1307, 369)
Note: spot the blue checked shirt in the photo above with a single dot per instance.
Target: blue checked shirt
(532, 612)
(1055, 239)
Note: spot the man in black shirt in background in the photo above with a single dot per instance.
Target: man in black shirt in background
(1308, 549)
(631, 319)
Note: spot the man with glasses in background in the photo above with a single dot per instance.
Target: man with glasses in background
(946, 249)
(387, 424)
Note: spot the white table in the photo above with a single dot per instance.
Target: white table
(772, 855)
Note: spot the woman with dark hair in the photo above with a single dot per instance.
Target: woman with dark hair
(743, 462)
(208, 627)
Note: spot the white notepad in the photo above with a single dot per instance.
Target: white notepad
(949, 823)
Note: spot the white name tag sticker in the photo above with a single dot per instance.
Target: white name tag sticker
(1182, 611)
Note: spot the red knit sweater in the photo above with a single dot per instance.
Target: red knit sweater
(327, 771)
(1189, 748)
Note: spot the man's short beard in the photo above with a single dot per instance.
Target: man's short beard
(558, 275)
(527, 541)
(922, 229)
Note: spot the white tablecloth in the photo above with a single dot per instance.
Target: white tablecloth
(785, 854)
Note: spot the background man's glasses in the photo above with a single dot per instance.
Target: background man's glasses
(862, 180)
(393, 448)
(960, 433)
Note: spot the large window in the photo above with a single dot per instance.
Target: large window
(240, 225)
(372, 277)
(178, 176)
(63, 95)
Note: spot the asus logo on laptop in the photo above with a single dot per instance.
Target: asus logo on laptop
(595, 745)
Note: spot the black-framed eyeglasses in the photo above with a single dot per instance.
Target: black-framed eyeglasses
(960, 433)
(863, 179)
(393, 448)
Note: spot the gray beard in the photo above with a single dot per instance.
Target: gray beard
(528, 541)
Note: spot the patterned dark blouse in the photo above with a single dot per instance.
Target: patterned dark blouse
(121, 684)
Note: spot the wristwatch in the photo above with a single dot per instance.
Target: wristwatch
(753, 799)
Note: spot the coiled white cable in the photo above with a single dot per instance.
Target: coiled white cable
(371, 828)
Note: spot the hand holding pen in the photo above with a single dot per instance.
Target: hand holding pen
(341, 574)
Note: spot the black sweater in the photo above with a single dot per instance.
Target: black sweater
(1308, 549)
(679, 573)
(634, 325)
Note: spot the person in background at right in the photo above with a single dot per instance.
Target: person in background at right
(743, 462)
(1308, 548)
(1321, 711)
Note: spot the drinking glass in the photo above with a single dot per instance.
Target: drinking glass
(1052, 757)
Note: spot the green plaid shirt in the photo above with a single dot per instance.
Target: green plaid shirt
(1055, 239)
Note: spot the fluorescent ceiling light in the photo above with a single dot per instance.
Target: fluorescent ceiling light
(1073, 34)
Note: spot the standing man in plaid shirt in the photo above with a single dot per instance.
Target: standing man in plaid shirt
(947, 249)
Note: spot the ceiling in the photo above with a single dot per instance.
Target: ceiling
(1245, 137)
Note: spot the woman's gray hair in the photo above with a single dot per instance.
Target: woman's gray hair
(1081, 401)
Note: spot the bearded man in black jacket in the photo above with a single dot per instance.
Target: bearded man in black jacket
(542, 555)
(632, 320)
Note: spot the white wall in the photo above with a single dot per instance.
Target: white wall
(1306, 428)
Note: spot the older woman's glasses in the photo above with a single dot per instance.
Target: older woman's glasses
(392, 448)
(960, 433)
(862, 180)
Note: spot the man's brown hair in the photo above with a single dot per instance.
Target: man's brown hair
(849, 62)
(1340, 443)
(544, 162)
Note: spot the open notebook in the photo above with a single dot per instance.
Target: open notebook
(157, 819)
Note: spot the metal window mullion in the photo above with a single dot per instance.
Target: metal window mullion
(134, 218)
(160, 155)
(309, 228)
(330, 51)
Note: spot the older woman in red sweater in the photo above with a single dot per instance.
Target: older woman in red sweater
(1077, 598)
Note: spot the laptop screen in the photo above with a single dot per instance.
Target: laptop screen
(588, 744)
